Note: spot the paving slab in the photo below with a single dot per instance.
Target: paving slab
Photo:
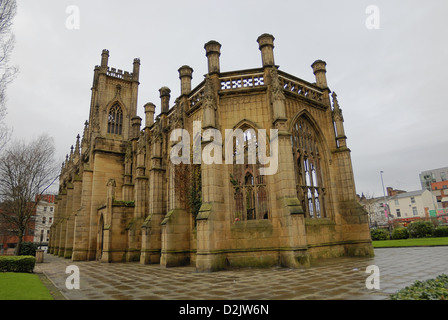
(333, 279)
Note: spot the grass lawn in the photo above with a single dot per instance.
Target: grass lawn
(22, 286)
(423, 242)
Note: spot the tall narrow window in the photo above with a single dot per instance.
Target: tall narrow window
(115, 120)
(250, 190)
(309, 174)
(250, 196)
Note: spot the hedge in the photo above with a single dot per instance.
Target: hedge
(432, 289)
(421, 229)
(379, 234)
(20, 264)
(400, 233)
(441, 231)
(28, 249)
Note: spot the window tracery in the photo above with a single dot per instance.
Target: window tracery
(250, 190)
(308, 170)
(115, 120)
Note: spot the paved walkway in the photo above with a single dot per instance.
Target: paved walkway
(336, 279)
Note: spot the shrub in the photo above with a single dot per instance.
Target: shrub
(379, 234)
(400, 233)
(433, 289)
(441, 231)
(28, 249)
(21, 264)
(421, 229)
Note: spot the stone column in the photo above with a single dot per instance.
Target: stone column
(140, 203)
(212, 222)
(128, 185)
(287, 214)
(151, 228)
(82, 222)
(70, 223)
(63, 223)
(76, 206)
(54, 230)
(105, 166)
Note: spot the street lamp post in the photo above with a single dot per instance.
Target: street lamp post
(385, 205)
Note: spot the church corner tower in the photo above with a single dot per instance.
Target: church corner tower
(114, 100)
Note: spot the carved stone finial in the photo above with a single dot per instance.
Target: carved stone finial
(277, 90)
(141, 144)
(85, 132)
(209, 104)
(77, 148)
(337, 111)
(96, 120)
(334, 96)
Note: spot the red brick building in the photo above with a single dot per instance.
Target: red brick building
(440, 190)
(9, 238)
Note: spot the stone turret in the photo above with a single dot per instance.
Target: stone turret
(266, 45)
(185, 76)
(104, 59)
(149, 114)
(319, 69)
(165, 94)
(136, 70)
(213, 52)
(136, 124)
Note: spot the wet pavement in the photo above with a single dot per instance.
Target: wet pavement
(335, 279)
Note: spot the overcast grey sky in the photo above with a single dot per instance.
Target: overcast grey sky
(391, 83)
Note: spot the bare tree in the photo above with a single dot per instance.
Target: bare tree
(27, 171)
(8, 9)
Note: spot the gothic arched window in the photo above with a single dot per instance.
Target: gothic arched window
(250, 191)
(308, 170)
(115, 120)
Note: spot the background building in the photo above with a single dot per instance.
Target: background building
(44, 220)
(431, 176)
(440, 190)
(9, 238)
(38, 228)
(409, 206)
(375, 211)
(404, 207)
